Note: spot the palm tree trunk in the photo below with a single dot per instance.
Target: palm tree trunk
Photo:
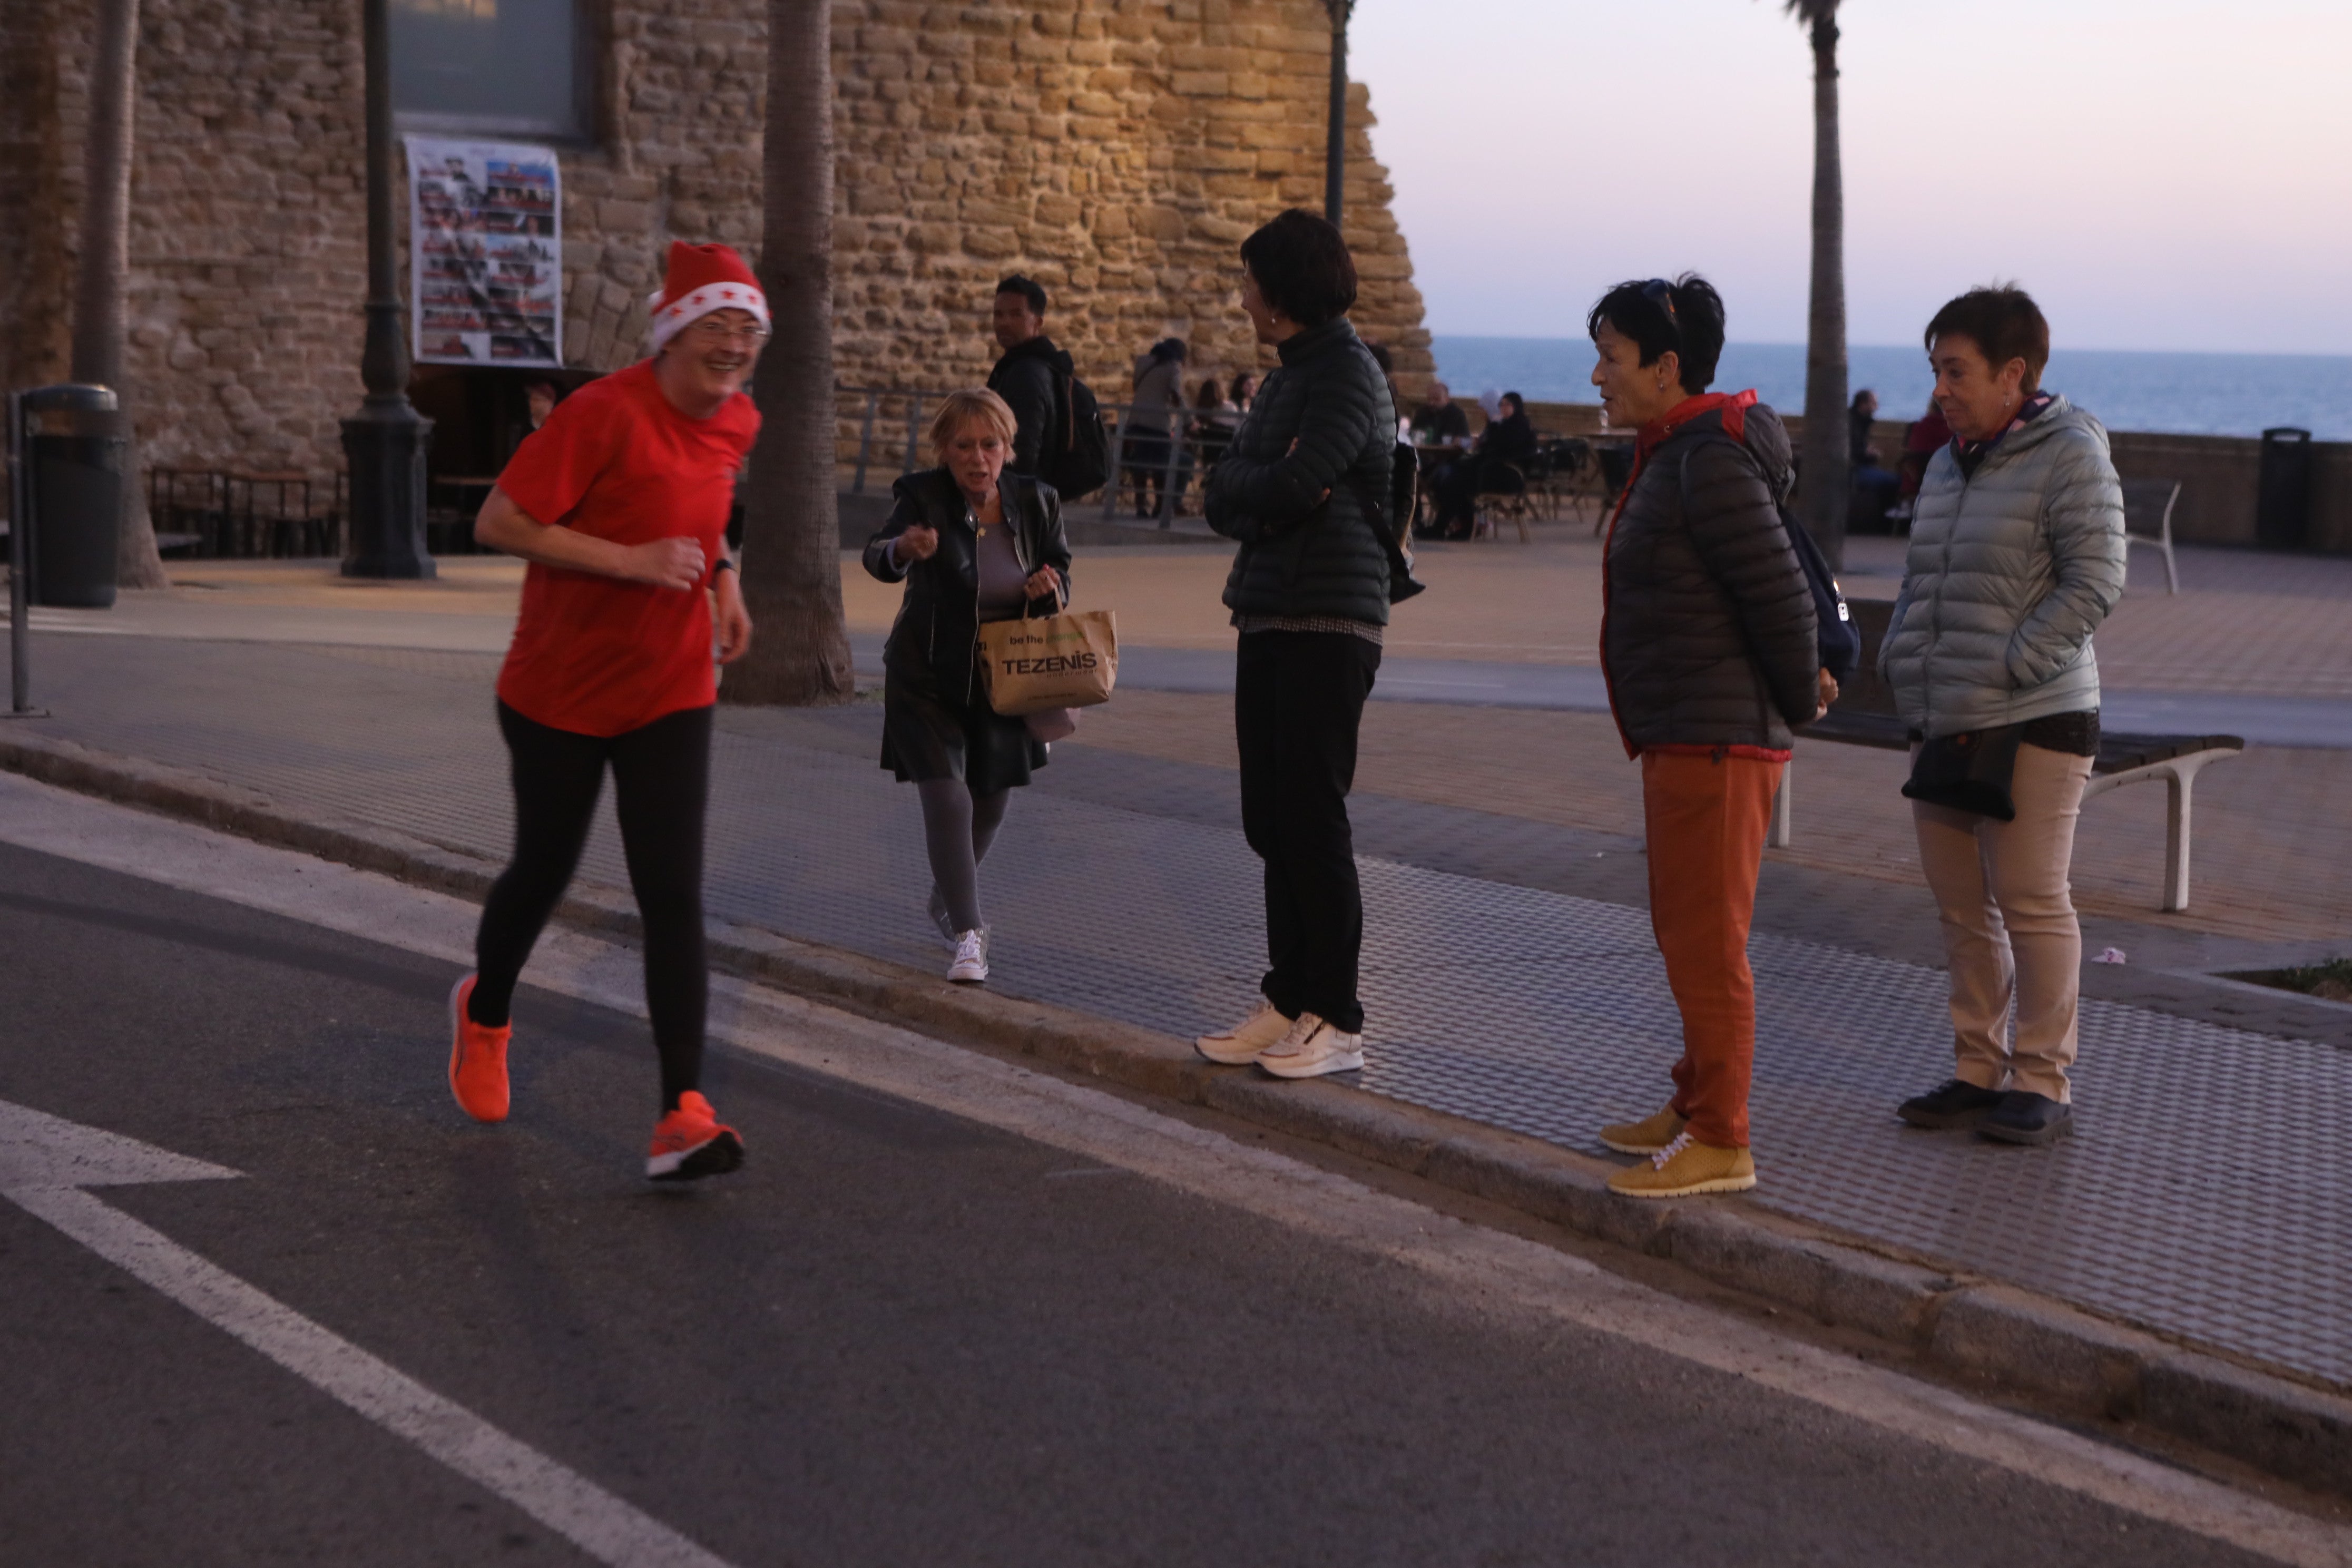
(792, 530)
(101, 279)
(1823, 491)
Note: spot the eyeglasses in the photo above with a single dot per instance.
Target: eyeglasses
(709, 331)
(1661, 293)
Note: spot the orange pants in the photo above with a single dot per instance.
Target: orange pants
(1706, 815)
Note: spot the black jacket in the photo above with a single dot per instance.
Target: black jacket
(1511, 440)
(1707, 634)
(1029, 379)
(938, 627)
(1302, 554)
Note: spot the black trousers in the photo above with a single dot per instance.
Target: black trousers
(1457, 488)
(661, 785)
(1298, 698)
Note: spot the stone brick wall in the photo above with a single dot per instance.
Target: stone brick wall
(247, 262)
(1117, 153)
(1115, 150)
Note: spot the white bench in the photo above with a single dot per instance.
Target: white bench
(2122, 759)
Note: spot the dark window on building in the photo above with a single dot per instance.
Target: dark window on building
(493, 67)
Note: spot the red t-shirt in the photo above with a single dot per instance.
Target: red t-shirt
(595, 654)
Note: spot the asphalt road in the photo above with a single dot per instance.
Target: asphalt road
(901, 1335)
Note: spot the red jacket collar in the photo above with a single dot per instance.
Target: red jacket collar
(1735, 406)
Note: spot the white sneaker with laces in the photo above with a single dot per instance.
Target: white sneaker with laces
(1239, 1046)
(1312, 1048)
(971, 965)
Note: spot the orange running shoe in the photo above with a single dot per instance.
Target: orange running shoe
(690, 1144)
(478, 1059)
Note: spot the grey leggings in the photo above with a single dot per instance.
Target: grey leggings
(958, 826)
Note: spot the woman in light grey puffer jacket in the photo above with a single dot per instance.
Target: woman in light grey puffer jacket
(2017, 555)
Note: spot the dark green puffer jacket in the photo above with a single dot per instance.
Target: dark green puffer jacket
(1302, 554)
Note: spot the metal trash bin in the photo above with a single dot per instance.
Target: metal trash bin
(2282, 496)
(74, 449)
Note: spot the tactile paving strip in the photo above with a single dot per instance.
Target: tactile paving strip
(2203, 1194)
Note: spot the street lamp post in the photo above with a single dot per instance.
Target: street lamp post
(385, 442)
(1335, 147)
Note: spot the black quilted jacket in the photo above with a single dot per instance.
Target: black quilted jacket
(1302, 554)
(1707, 638)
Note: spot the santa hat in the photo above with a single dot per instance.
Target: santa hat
(702, 278)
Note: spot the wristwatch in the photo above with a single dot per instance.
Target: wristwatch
(724, 564)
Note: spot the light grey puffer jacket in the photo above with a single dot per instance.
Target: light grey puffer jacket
(2010, 572)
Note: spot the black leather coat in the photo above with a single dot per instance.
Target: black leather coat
(932, 641)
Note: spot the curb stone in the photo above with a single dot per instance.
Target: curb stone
(1987, 1331)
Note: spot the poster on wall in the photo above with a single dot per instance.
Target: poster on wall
(485, 253)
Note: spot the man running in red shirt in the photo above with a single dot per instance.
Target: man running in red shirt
(620, 503)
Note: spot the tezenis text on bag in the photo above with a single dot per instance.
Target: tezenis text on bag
(1051, 664)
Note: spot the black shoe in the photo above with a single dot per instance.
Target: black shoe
(2025, 1117)
(1956, 1104)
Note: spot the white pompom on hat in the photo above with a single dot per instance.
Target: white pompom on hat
(701, 279)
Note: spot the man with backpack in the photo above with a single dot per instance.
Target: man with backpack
(1059, 435)
(1711, 645)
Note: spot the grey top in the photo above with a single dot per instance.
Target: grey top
(1002, 594)
(1159, 393)
(2010, 571)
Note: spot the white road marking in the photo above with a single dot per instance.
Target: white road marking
(46, 1162)
(1482, 1269)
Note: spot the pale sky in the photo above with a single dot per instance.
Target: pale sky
(2160, 173)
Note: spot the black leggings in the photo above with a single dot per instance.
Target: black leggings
(661, 785)
(958, 827)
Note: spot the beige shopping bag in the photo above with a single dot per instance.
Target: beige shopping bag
(1069, 660)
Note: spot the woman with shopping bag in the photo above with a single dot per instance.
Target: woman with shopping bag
(974, 545)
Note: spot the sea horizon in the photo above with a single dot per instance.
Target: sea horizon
(2126, 389)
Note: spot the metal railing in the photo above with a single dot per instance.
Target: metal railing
(884, 412)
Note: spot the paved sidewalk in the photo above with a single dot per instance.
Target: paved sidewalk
(1509, 972)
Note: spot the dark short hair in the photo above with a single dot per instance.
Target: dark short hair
(1692, 328)
(2004, 322)
(1029, 289)
(1862, 394)
(1518, 405)
(1302, 267)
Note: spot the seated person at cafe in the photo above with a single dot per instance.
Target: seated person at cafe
(1873, 486)
(1439, 421)
(1508, 440)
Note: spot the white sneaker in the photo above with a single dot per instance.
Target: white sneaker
(1312, 1048)
(1239, 1045)
(971, 965)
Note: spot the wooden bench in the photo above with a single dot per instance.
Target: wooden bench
(1863, 715)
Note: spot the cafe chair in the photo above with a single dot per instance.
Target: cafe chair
(1505, 497)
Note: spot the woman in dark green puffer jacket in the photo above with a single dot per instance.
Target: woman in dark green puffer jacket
(1300, 488)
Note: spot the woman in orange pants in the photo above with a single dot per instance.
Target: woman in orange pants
(1707, 640)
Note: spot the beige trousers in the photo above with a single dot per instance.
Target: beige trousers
(2009, 931)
